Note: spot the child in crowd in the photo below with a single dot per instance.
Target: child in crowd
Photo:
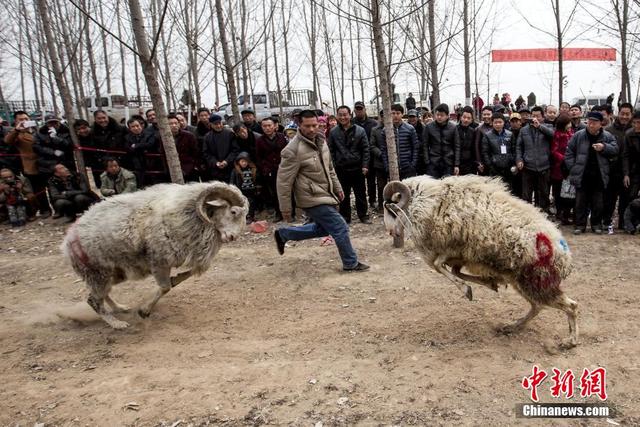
(244, 177)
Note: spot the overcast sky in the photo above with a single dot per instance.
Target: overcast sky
(512, 31)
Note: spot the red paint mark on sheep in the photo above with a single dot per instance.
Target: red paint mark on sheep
(542, 274)
(76, 247)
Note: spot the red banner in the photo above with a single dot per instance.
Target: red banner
(568, 54)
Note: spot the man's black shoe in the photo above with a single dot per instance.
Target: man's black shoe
(279, 242)
(359, 267)
(365, 220)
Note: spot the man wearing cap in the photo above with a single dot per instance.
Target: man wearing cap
(575, 112)
(377, 162)
(249, 120)
(219, 150)
(367, 123)
(307, 171)
(441, 145)
(349, 147)
(525, 116)
(587, 159)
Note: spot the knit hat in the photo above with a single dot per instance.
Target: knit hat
(412, 113)
(243, 155)
(214, 118)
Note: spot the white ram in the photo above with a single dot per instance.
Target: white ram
(132, 236)
(474, 223)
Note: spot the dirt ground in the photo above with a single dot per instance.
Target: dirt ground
(269, 339)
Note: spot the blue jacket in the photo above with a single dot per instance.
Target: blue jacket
(406, 147)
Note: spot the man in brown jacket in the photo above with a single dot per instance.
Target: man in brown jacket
(22, 137)
(306, 169)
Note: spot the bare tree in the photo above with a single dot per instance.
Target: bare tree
(231, 81)
(63, 89)
(151, 76)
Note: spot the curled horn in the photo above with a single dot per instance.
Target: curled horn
(398, 193)
(218, 195)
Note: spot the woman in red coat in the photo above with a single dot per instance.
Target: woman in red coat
(561, 137)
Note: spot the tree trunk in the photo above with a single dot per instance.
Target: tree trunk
(243, 48)
(467, 71)
(31, 56)
(560, 52)
(231, 82)
(92, 61)
(236, 57)
(266, 49)
(62, 86)
(285, 34)
(151, 76)
(104, 49)
(385, 87)
(433, 61)
(275, 65)
(122, 61)
(216, 89)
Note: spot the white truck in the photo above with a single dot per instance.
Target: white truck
(274, 105)
(117, 106)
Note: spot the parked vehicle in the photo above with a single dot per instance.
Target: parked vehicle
(117, 106)
(275, 104)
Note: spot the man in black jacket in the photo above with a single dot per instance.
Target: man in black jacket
(53, 146)
(440, 144)
(587, 159)
(533, 158)
(368, 124)
(618, 128)
(219, 150)
(349, 148)
(466, 163)
(69, 192)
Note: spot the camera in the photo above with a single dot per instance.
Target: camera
(10, 182)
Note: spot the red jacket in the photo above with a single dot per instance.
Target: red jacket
(558, 149)
(268, 153)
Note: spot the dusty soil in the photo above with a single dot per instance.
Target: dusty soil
(265, 339)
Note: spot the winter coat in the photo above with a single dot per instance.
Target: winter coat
(499, 151)
(220, 146)
(46, 146)
(375, 147)
(466, 158)
(349, 148)
(441, 143)
(558, 150)
(124, 182)
(136, 147)
(248, 145)
(23, 144)
(481, 131)
(254, 127)
(367, 124)
(533, 147)
(110, 137)
(618, 130)
(631, 155)
(188, 152)
(268, 153)
(577, 155)
(306, 169)
(406, 147)
(60, 189)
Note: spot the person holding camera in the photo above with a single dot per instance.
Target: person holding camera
(53, 146)
(69, 192)
(18, 198)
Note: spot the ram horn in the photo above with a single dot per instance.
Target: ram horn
(398, 193)
(218, 195)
